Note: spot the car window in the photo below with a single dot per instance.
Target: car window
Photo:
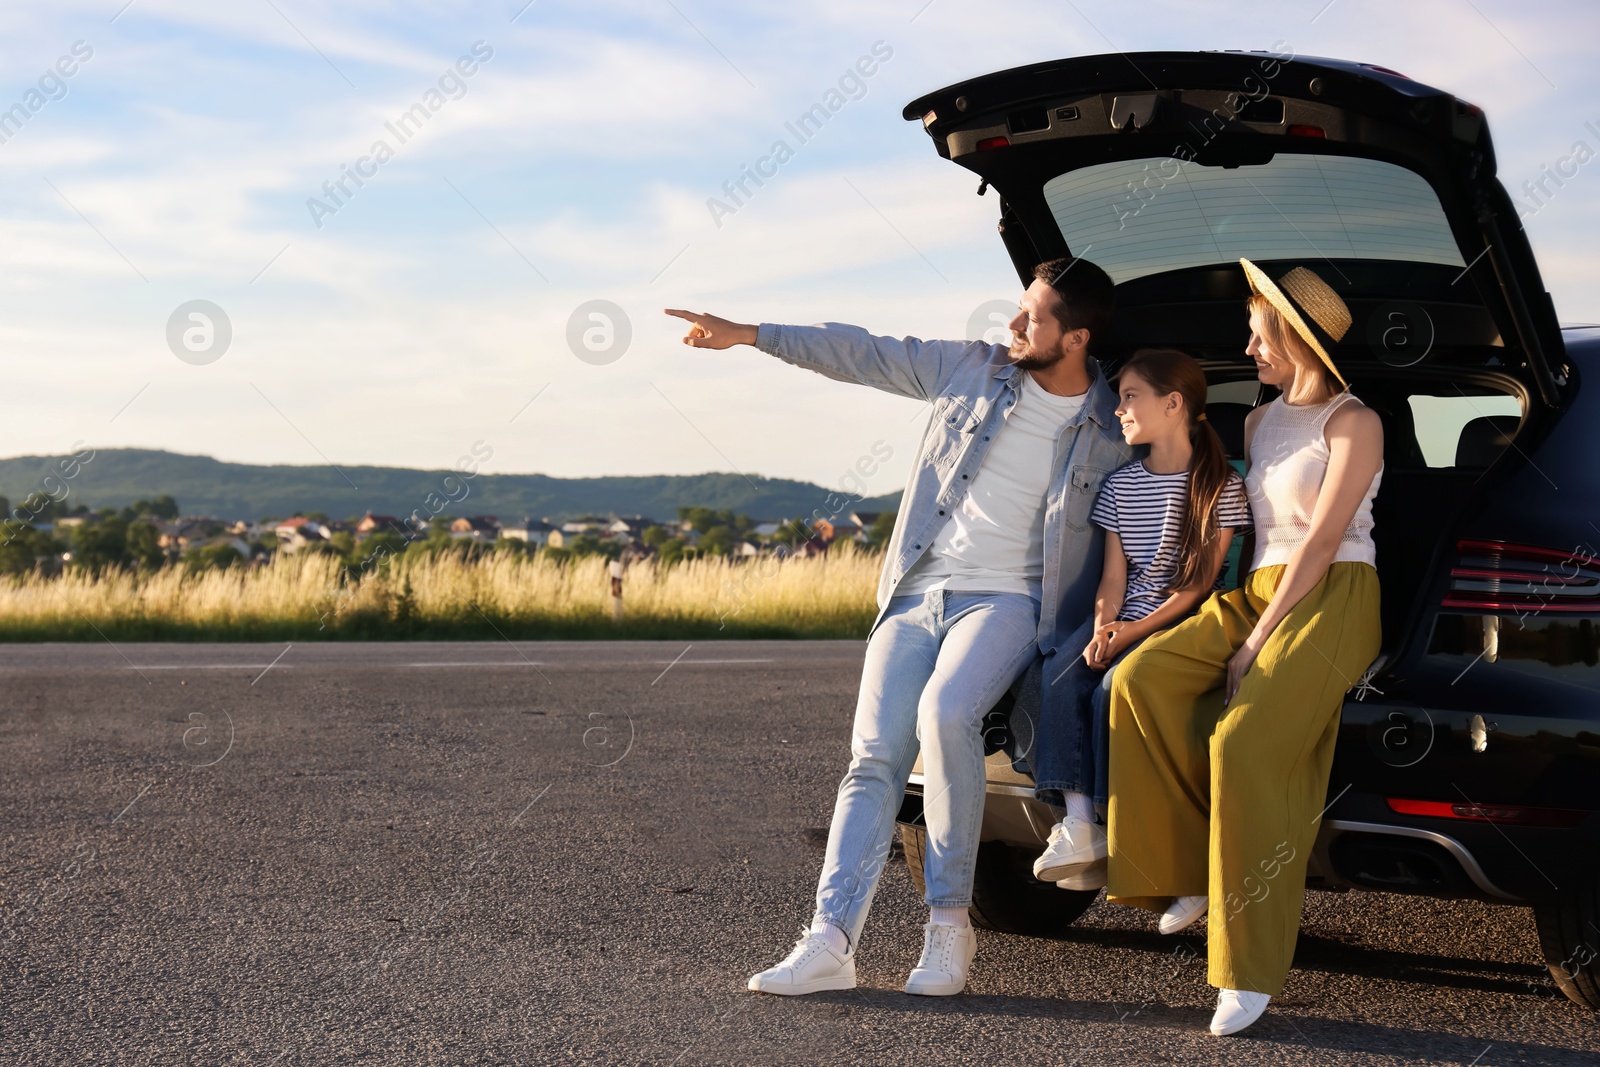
(1441, 422)
(1144, 216)
(1244, 392)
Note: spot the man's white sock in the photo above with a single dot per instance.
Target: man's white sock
(953, 916)
(834, 936)
(1079, 806)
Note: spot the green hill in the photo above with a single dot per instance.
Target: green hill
(202, 485)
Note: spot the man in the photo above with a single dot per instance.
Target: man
(992, 562)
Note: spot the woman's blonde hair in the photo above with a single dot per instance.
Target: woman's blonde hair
(1313, 384)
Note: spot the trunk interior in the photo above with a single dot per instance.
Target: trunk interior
(1448, 419)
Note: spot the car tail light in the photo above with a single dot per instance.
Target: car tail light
(1494, 576)
(1307, 131)
(993, 142)
(1513, 813)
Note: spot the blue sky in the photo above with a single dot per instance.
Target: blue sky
(574, 164)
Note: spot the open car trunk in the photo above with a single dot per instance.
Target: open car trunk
(1165, 168)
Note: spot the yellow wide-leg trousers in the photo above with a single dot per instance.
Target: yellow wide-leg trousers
(1227, 801)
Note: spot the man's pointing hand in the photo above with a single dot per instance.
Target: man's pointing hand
(708, 331)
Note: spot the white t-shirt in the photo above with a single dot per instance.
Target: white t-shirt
(993, 542)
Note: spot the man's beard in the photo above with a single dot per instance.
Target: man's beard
(1033, 360)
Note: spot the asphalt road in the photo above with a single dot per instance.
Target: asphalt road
(442, 853)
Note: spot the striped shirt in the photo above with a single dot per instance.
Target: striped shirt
(1146, 511)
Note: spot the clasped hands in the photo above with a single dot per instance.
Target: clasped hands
(1110, 640)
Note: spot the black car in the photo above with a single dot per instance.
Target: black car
(1468, 763)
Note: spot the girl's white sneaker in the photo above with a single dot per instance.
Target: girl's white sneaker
(1074, 845)
(1237, 1009)
(1182, 914)
(1091, 877)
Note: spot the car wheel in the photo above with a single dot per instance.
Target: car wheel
(1005, 894)
(1571, 948)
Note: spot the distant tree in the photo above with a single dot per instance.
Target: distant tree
(513, 546)
(671, 551)
(587, 544)
(791, 533)
(555, 554)
(162, 507)
(378, 549)
(42, 507)
(211, 557)
(719, 541)
(19, 549)
(143, 546)
(344, 543)
(881, 530)
(96, 546)
(318, 517)
(701, 520)
(656, 536)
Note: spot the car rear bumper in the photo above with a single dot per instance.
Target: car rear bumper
(1363, 845)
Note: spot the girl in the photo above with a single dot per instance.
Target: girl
(1217, 801)
(1168, 519)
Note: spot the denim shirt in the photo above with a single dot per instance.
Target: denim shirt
(973, 387)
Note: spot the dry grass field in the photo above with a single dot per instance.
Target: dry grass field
(309, 597)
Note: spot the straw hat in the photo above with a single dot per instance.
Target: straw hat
(1310, 306)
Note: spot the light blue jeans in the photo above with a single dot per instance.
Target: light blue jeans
(936, 663)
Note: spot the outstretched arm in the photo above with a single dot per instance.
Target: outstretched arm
(902, 365)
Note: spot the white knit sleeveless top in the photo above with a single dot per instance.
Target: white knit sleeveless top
(1288, 460)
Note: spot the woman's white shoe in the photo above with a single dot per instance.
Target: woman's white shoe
(1237, 1009)
(1182, 914)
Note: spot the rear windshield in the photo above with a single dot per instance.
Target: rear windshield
(1145, 216)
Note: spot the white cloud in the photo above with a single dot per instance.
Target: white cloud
(406, 327)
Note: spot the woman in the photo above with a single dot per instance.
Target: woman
(1216, 802)
(1169, 519)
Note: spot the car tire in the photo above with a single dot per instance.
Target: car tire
(1571, 949)
(1006, 897)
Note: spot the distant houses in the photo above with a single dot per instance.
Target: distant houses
(475, 528)
(370, 524)
(531, 531)
(296, 533)
(828, 531)
(631, 537)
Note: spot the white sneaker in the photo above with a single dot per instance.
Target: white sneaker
(1182, 914)
(1237, 1009)
(1091, 877)
(811, 967)
(1073, 845)
(947, 951)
